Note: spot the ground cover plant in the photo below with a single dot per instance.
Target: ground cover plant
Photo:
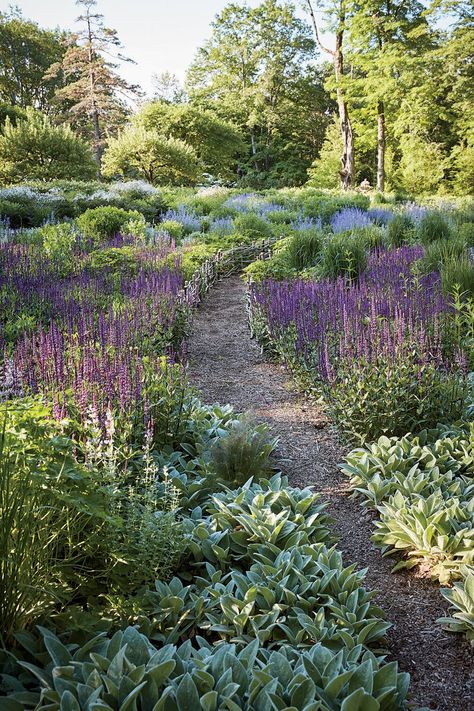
(152, 540)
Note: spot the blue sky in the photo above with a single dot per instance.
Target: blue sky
(159, 35)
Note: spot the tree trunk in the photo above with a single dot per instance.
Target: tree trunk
(347, 159)
(380, 147)
(98, 149)
(254, 150)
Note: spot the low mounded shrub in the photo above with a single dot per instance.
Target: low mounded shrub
(101, 223)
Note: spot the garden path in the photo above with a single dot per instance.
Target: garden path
(228, 367)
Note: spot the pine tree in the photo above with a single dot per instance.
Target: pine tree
(93, 90)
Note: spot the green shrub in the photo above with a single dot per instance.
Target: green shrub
(275, 268)
(58, 243)
(252, 227)
(243, 452)
(343, 254)
(173, 228)
(369, 399)
(117, 259)
(101, 223)
(433, 226)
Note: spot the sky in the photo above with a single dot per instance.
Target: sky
(160, 35)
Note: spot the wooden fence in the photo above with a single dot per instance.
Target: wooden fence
(223, 264)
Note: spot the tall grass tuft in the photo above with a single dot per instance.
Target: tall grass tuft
(243, 453)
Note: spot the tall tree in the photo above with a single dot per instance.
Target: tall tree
(337, 11)
(93, 91)
(217, 142)
(385, 37)
(257, 70)
(167, 87)
(26, 52)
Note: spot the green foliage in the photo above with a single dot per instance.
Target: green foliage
(465, 233)
(422, 489)
(441, 253)
(217, 142)
(343, 254)
(58, 242)
(422, 164)
(241, 524)
(274, 268)
(433, 226)
(324, 171)
(458, 274)
(461, 599)
(26, 53)
(252, 227)
(100, 223)
(127, 669)
(304, 249)
(243, 452)
(371, 399)
(173, 228)
(256, 69)
(53, 514)
(138, 152)
(400, 230)
(117, 259)
(35, 148)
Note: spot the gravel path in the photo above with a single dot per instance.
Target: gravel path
(228, 367)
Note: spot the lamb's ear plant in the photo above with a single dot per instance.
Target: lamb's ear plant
(125, 672)
(461, 599)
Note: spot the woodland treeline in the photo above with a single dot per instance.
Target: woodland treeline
(334, 92)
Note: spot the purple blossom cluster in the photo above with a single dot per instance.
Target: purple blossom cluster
(94, 332)
(380, 215)
(386, 311)
(306, 223)
(222, 225)
(350, 217)
(190, 221)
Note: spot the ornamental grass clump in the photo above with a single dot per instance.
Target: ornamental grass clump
(433, 226)
(344, 255)
(243, 452)
(304, 249)
(400, 230)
